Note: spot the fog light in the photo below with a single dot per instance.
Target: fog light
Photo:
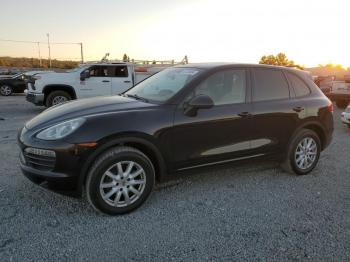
(40, 152)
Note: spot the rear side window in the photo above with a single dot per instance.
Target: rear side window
(121, 71)
(300, 88)
(270, 85)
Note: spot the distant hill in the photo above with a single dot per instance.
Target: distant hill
(25, 62)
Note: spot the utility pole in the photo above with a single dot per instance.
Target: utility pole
(81, 52)
(48, 44)
(39, 54)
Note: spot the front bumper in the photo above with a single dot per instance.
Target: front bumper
(35, 98)
(60, 172)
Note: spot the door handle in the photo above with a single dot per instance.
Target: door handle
(106, 81)
(127, 81)
(298, 109)
(245, 114)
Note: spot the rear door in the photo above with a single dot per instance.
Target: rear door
(121, 79)
(275, 115)
(98, 84)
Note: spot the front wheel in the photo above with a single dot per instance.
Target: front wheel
(57, 97)
(5, 90)
(120, 180)
(303, 152)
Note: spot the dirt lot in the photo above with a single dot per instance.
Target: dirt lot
(250, 211)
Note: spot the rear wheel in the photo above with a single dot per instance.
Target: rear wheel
(57, 97)
(6, 90)
(341, 103)
(303, 153)
(120, 180)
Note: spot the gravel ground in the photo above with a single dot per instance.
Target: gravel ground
(247, 212)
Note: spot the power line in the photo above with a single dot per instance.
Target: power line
(48, 43)
(36, 42)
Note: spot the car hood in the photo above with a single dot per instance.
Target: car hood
(84, 107)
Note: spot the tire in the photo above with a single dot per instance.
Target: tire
(348, 125)
(57, 97)
(290, 164)
(111, 163)
(341, 103)
(6, 90)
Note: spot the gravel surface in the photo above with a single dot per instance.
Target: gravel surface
(247, 212)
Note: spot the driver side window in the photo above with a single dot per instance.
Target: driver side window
(224, 87)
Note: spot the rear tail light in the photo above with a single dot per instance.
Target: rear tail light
(330, 107)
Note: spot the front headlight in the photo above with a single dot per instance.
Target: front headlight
(60, 130)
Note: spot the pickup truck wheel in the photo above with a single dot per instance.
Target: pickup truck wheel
(120, 180)
(303, 153)
(341, 103)
(57, 97)
(5, 90)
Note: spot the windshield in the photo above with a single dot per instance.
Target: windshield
(163, 85)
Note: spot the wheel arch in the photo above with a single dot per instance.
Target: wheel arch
(55, 87)
(317, 128)
(139, 141)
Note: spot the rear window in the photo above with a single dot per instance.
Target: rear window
(299, 86)
(270, 85)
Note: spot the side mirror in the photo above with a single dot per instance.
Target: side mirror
(84, 75)
(196, 103)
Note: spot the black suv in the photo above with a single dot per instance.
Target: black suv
(115, 148)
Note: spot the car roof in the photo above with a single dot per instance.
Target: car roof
(213, 65)
(223, 65)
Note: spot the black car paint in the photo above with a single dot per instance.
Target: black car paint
(174, 140)
(18, 84)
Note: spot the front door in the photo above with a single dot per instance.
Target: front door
(219, 134)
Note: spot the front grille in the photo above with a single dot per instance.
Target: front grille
(46, 163)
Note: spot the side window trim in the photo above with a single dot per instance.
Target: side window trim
(255, 84)
(293, 88)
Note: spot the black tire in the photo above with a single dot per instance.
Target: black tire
(102, 164)
(341, 103)
(6, 92)
(54, 94)
(348, 125)
(289, 164)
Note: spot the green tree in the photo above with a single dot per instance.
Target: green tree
(278, 60)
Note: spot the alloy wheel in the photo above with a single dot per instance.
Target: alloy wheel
(5, 90)
(122, 184)
(306, 153)
(58, 100)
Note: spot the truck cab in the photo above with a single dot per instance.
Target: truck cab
(101, 79)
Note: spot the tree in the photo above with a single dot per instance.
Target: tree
(279, 60)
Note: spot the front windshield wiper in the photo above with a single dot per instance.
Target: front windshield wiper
(137, 97)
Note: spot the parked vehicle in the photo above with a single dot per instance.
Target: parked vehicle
(13, 84)
(99, 79)
(182, 118)
(340, 93)
(345, 116)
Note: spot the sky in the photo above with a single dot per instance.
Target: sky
(307, 31)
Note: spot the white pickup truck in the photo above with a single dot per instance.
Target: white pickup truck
(101, 79)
